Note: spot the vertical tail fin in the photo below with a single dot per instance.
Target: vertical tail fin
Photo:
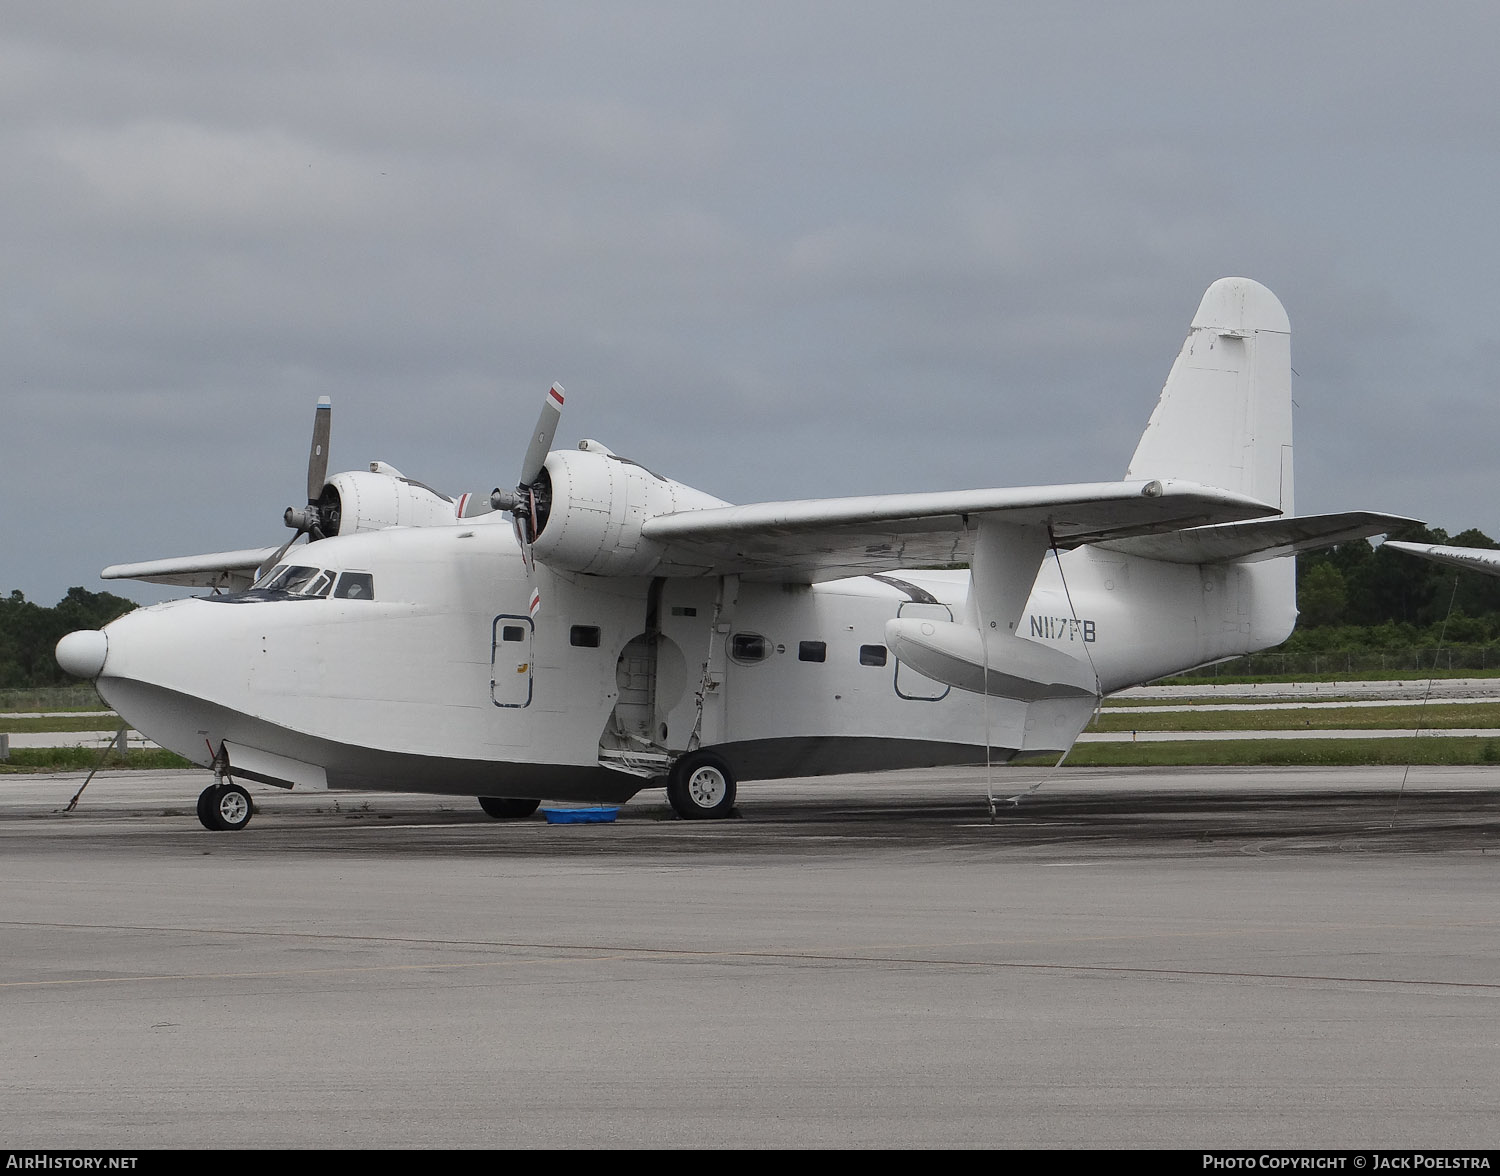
(1225, 414)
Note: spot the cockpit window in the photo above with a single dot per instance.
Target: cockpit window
(266, 580)
(300, 582)
(286, 578)
(297, 579)
(355, 586)
(320, 586)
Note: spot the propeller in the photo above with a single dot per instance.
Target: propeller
(529, 501)
(318, 518)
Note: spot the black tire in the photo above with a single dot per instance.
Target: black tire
(701, 787)
(205, 807)
(505, 808)
(225, 808)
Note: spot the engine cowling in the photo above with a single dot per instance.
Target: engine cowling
(598, 505)
(358, 501)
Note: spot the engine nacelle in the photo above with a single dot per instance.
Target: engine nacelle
(599, 503)
(359, 501)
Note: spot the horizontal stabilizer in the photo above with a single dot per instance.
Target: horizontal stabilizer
(1258, 539)
(1476, 559)
(830, 538)
(217, 569)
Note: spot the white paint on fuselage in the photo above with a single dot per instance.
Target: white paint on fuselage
(407, 675)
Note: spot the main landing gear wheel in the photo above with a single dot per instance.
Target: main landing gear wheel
(507, 808)
(224, 807)
(701, 787)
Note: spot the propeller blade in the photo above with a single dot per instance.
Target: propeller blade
(541, 436)
(317, 459)
(276, 559)
(524, 543)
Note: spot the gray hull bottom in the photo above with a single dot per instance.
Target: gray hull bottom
(363, 768)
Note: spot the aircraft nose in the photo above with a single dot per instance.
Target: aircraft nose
(82, 653)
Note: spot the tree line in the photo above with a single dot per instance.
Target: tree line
(30, 632)
(1353, 596)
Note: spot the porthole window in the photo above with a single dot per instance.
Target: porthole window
(513, 633)
(813, 651)
(872, 655)
(748, 648)
(584, 636)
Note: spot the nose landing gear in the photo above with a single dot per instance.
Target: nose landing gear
(224, 806)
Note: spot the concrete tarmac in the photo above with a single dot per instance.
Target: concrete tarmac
(1187, 958)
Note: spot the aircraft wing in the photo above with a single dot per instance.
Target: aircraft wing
(1477, 559)
(1259, 539)
(829, 538)
(218, 569)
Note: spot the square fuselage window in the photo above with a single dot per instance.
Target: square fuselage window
(355, 586)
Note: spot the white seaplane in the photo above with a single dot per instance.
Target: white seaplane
(602, 629)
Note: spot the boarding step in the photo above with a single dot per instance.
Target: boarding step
(635, 761)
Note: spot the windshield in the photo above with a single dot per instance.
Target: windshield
(296, 580)
(302, 582)
(286, 578)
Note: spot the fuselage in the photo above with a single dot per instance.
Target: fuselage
(419, 665)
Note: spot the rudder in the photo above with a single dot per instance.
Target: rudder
(1224, 417)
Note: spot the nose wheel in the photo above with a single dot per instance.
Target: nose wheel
(224, 807)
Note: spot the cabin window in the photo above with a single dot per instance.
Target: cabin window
(679, 610)
(584, 636)
(355, 586)
(872, 655)
(748, 648)
(813, 651)
(513, 633)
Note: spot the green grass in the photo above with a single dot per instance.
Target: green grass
(1407, 675)
(14, 726)
(1361, 718)
(1428, 750)
(1229, 699)
(68, 759)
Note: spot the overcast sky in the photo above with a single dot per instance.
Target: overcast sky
(771, 250)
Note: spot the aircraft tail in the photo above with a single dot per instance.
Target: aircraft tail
(1224, 419)
(1225, 414)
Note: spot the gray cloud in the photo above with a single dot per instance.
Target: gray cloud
(773, 251)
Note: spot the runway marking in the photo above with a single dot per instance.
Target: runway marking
(599, 954)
